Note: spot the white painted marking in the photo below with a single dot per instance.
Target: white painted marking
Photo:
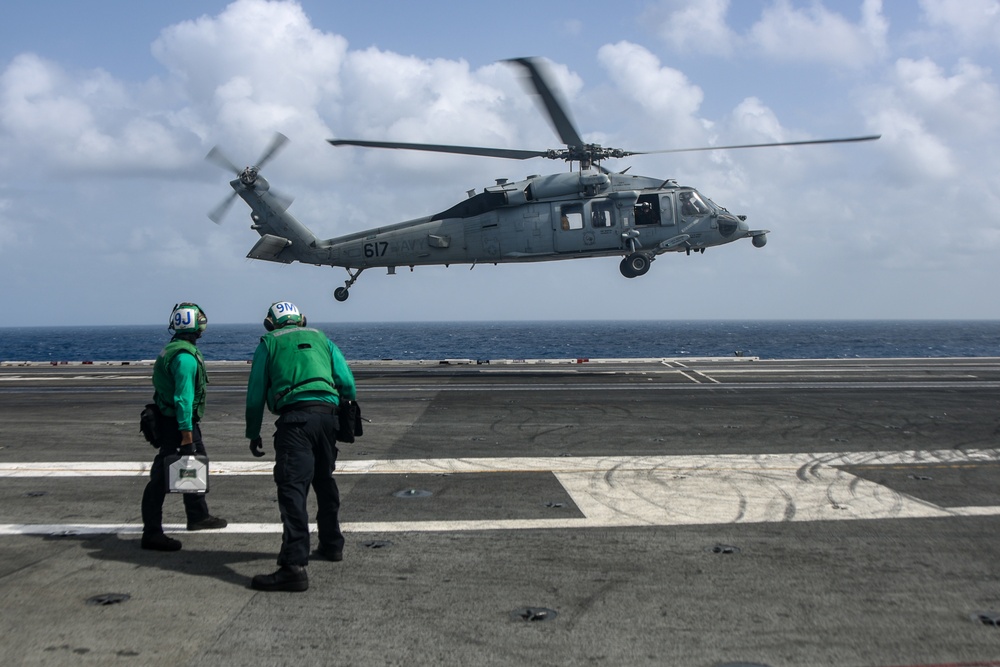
(614, 491)
(689, 377)
(698, 373)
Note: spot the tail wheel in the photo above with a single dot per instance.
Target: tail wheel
(341, 294)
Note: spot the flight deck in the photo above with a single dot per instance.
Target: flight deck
(659, 511)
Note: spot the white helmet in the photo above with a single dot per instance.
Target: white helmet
(187, 318)
(283, 313)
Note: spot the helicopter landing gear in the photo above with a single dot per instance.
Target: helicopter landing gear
(634, 265)
(341, 293)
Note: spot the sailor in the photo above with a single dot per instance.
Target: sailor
(300, 375)
(179, 382)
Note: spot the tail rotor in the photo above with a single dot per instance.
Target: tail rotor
(247, 176)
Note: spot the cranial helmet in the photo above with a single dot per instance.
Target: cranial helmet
(187, 318)
(282, 314)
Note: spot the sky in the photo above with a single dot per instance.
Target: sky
(108, 108)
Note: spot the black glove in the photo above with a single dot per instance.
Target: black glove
(257, 447)
(187, 450)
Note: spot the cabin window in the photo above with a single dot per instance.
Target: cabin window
(600, 214)
(572, 217)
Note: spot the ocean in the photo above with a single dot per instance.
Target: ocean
(483, 341)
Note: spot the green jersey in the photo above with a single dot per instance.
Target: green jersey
(179, 383)
(295, 365)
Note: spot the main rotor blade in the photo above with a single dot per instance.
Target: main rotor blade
(277, 143)
(557, 112)
(872, 137)
(511, 154)
(216, 156)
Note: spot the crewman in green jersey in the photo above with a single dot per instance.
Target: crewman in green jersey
(300, 375)
(179, 383)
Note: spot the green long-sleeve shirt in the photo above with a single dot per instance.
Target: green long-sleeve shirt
(184, 368)
(260, 390)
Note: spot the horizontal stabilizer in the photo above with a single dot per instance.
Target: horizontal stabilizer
(269, 248)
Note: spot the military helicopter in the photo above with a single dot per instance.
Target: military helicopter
(588, 211)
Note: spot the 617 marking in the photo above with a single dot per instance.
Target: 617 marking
(375, 249)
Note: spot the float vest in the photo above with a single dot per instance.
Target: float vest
(163, 379)
(299, 366)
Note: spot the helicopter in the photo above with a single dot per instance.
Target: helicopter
(588, 211)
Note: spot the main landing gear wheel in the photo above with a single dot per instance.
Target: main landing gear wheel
(634, 265)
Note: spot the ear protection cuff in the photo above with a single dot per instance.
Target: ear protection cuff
(269, 323)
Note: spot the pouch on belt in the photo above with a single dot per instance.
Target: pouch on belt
(147, 422)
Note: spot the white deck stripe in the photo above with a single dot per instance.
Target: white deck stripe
(554, 464)
(616, 491)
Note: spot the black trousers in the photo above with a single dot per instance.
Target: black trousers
(169, 440)
(305, 450)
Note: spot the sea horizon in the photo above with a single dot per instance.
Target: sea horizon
(536, 339)
(544, 321)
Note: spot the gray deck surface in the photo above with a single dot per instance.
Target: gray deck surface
(688, 512)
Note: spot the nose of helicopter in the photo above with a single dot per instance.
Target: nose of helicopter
(730, 224)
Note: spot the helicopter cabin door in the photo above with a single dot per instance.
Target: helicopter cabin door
(589, 226)
(653, 211)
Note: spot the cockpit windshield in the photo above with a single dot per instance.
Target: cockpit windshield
(693, 204)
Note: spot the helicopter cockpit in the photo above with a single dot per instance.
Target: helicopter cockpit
(695, 206)
(692, 204)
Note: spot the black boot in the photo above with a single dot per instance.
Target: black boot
(330, 553)
(160, 542)
(208, 523)
(285, 578)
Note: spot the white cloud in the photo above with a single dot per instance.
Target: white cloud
(784, 32)
(932, 122)
(916, 153)
(697, 26)
(404, 98)
(756, 122)
(80, 122)
(664, 94)
(272, 41)
(256, 67)
(817, 34)
(970, 21)
(964, 103)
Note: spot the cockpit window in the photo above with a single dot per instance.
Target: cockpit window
(692, 204)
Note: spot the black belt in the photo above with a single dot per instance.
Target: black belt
(317, 407)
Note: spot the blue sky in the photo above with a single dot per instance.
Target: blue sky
(107, 110)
